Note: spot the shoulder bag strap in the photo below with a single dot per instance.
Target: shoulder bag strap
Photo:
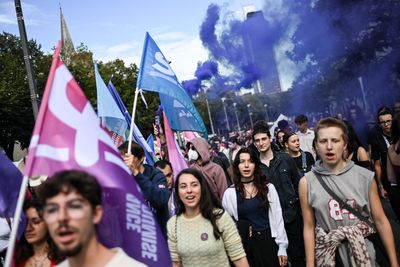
(303, 160)
(342, 203)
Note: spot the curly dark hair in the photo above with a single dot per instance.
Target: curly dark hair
(260, 181)
(24, 250)
(210, 206)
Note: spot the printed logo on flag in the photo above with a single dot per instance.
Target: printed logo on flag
(68, 135)
(156, 75)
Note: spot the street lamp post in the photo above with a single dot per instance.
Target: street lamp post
(266, 112)
(250, 115)
(27, 59)
(237, 119)
(208, 109)
(226, 115)
(360, 80)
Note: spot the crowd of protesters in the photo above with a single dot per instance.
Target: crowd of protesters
(298, 196)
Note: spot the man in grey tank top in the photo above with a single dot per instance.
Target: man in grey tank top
(325, 220)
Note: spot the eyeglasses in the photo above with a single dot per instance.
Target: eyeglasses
(385, 122)
(75, 209)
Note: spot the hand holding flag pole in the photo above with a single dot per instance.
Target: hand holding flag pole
(24, 183)
(136, 134)
(68, 135)
(25, 179)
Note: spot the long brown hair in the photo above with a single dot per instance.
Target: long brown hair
(208, 202)
(24, 250)
(260, 181)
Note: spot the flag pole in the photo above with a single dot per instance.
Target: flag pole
(137, 93)
(28, 166)
(132, 120)
(15, 223)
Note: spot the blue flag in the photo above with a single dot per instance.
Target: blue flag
(177, 114)
(150, 141)
(137, 135)
(10, 184)
(111, 117)
(156, 75)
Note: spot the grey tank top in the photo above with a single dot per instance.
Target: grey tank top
(352, 186)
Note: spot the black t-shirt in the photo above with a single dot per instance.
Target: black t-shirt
(251, 211)
(309, 161)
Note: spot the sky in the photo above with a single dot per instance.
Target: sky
(116, 29)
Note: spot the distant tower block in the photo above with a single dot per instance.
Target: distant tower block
(260, 50)
(248, 9)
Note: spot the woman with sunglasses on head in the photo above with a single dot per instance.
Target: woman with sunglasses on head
(35, 247)
(254, 204)
(201, 233)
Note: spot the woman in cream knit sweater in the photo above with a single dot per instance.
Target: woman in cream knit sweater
(202, 234)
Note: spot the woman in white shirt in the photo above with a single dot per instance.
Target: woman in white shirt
(254, 203)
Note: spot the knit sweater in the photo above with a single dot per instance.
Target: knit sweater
(192, 242)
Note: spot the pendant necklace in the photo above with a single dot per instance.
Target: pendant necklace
(248, 192)
(39, 262)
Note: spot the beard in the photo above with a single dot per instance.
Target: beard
(71, 252)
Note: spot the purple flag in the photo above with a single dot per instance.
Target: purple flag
(68, 135)
(10, 183)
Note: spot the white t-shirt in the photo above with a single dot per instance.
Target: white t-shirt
(306, 141)
(120, 259)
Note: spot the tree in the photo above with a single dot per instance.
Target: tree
(343, 40)
(16, 117)
(124, 80)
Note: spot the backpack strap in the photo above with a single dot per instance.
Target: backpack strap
(303, 160)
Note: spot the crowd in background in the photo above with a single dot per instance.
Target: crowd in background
(250, 198)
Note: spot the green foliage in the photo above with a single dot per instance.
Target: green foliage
(16, 117)
(124, 80)
(341, 41)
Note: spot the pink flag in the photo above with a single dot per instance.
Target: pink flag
(68, 135)
(189, 136)
(175, 156)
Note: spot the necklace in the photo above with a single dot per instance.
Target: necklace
(252, 191)
(39, 262)
(247, 182)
